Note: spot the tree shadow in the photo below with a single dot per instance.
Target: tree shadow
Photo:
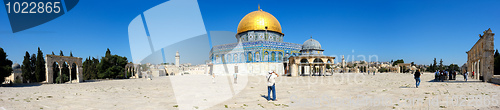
(457, 81)
(22, 85)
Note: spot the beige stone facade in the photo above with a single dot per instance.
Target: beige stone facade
(309, 65)
(49, 61)
(480, 57)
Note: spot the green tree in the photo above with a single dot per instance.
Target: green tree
(70, 54)
(434, 67)
(64, 70)
(398, 61)
(53, 53)
(33, 68)
(94, 68)
(5, 65)
(40, 66)
(112, 66)
(27, 68)
(87, 65)
(441, 67)
(55, 70)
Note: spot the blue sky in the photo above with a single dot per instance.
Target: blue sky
(413, 30)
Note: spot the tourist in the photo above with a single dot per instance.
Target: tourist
(436, 76)
(465, 75)
(235, 77)
(417, 78)
(271, 80)
(450, 75)
(441, 75)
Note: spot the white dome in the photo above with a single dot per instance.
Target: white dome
(311, 44)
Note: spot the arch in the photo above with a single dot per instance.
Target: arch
(304, 60)
(257, 56)
(217, 59)
(318, 60)
(250, 58)
(235, 57)
(242, 58)
(280, 56)
(266, 56)
(273, 56)
(49, 65)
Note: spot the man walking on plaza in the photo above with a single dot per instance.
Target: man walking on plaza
(417, 77)
(271, 80)
(465, 75)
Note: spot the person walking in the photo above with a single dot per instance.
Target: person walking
(271, 86)
(235, 75)
(417, 78)
(436, 76)
(465, 75)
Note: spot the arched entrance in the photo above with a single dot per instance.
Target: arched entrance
(51, 60)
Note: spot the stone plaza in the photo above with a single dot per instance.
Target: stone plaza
(340, 91)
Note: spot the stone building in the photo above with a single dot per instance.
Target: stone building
(259, 47)
(15, 76)
(480, 57)
(311, 61)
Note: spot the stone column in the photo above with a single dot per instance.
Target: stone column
(70, 66)
(294, 70)
(323, 69)
(79, 75)
(48, 69)
(60, 71)
(310, 69)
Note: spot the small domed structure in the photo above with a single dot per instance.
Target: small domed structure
(311, 47)
(311, 44)
(16, 66)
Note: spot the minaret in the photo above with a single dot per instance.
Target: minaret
(343, 62)
(177, 58)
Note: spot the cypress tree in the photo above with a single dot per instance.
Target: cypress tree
(26, 68)
(40, 66)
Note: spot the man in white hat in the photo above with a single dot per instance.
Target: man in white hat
(271, 80)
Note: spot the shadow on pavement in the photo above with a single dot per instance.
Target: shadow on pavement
(22, 85)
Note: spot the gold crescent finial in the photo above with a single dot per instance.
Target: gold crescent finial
(258, 6)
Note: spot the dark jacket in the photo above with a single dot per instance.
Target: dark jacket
(417, 74)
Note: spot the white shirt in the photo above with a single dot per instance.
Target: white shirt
(271, 79)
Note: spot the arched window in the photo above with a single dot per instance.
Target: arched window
(273, 56)
(235, 58)
(249, 56)
(223, 58)
(280, 56)
(242, 57)
(266, 56)
(217, 59)
(257, 56)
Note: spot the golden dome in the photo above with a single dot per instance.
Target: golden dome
(258, 20)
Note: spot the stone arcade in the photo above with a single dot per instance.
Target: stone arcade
(480, 57)
(49, 61)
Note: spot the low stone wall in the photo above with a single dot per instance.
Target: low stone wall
(496, 79)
